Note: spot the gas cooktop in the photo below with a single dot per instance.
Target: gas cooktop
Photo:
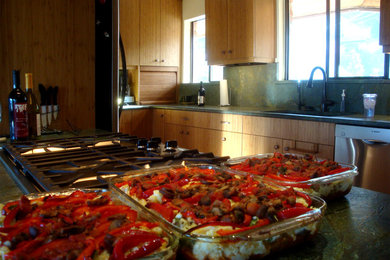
(87, 161)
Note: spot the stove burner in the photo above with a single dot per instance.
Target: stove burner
(87, 162)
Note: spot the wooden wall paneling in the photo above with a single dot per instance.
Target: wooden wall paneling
(55, 41)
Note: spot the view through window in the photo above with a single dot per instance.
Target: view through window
(353, 40)
(200, 70)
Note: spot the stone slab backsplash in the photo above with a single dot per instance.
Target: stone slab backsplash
(257, 86)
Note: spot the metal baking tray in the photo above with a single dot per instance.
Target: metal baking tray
(327, 187)
(256, 242)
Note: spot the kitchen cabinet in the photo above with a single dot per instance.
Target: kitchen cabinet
(240, 31)
(287, 135)
(160, 32)
(129, 29)
(158, 123)
(254, 144)
(136, 122)
(207, 132)
(384, 38)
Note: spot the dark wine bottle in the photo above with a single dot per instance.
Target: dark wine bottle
(201, 95)
(17, 106)
(34, 116)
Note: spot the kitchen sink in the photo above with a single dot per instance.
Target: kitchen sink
(307, 112)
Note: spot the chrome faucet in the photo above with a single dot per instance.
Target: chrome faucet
(324, 101)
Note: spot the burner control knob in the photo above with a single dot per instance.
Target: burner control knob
(171, 145)
(156, 139)
(152, 146)
(141, 144)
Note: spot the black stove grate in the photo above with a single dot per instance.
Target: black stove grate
(87, 162)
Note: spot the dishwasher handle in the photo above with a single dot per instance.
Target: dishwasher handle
(372, 142)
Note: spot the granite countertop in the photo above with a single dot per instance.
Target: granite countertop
(356, 226)
(382, 121)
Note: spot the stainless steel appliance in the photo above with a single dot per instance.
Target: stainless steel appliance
(369, 149)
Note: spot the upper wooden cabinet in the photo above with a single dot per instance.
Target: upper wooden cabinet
(384, 39)
(160, 31)
(129, 30)
(240, 31)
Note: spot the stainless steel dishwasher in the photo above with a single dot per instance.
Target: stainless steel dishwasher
(369, 149)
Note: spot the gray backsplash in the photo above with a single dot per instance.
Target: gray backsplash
(256, 86)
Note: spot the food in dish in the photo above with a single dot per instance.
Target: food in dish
(78, 225)
(219, 212)
(325, 178)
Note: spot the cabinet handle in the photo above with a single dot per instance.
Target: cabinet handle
(162, 60)
(185, 118)
(286, 148)
(162, 115)
(187, 133)
(156, 60)
(181, 132)
(230, 51)
(276, 147)
(225, 122)
(223, 139)
(223, 52)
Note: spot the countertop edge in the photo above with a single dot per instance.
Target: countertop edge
(381, 121)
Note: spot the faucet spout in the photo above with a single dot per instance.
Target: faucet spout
(324, 101)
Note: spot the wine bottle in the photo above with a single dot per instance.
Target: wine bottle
(34, 116)
(17, 106)
(201, 95)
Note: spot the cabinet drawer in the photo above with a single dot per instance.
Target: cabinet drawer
(221, 143)
(253, 144)
(179, 117)
(225, 122)
(319, 150)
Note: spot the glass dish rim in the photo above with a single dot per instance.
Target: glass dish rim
(263, 232)
(352, 172)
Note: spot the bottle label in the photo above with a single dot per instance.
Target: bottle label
(200, 100)
(21, 123)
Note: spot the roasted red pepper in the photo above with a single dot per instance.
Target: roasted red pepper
(165, 212)
(292, 212)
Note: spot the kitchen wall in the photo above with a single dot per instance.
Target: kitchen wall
(257, 86)
(54, 40)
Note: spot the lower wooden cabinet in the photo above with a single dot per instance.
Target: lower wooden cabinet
(221, 143)
(158, 117)
(254, 144)
(321, 151)
(136, 122)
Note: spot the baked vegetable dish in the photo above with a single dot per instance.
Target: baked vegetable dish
(223, 215)
(79, 225)
(325, 178)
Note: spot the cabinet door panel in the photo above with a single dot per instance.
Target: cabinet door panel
(170, 32)
(240, 29)
(150, 32)
(158, 123)
(125, 122)
(253, 144)
(141, 123)
(129, 29)
(184, 135)
(216, 31)
(319, 150)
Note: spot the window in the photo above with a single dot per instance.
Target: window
(198, 68)
(342, 36)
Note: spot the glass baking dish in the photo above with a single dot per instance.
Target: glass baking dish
(327, 187)
(202, 242)
(168, 252)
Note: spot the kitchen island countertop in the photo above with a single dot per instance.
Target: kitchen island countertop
(382, 121)
(356, 226)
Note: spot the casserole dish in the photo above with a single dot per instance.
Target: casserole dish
(221, 214)
(80, 224)
(324, 178)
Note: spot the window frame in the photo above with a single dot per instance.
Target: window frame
(337, 44)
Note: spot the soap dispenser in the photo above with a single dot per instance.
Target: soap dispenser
(342, 104)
